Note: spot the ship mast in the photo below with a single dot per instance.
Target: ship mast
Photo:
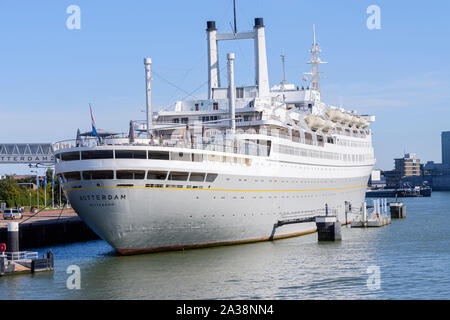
(234, 11)
(314, 62)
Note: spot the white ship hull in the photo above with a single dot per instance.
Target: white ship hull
(235, 208)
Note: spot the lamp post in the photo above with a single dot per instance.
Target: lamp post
(37, 190)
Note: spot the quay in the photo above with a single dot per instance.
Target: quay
(47, 228)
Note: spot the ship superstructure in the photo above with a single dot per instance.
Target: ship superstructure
(247, 164)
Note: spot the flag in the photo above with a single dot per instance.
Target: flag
(94, 129)
(53, 178)
(45, 182)
(37, 181)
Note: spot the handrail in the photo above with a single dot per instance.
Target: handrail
(20, 255)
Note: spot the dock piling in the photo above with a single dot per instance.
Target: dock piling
(328, 228)
(13, 238)
(398, 210)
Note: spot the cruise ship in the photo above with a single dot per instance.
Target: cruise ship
(247, 164)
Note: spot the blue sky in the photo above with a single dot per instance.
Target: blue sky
(49, 74)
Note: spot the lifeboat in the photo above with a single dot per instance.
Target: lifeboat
(353, 121)
(364, 123)
(346, 118)
(315, 123)
(329, 125)
(335, 115)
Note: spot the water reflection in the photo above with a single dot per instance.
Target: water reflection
(412, 256)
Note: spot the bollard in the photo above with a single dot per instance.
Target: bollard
(13, 238)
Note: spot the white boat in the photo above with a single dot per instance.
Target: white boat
(240, 166)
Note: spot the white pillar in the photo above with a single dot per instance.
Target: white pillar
(213, 58)
(231, 92)
(364, 213)
(261, 73)
(148, 87)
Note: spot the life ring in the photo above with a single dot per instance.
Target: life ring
(2, 247)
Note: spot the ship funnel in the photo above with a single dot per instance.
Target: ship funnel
(261, 73)
(231, 92)
(213, 58)
(259, 40)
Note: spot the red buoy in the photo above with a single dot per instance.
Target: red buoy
(2, 247)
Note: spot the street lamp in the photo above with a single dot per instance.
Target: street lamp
(37, 190)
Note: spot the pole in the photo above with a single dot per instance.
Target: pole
(234, 10)
(148, 87)
(53, 189)
(37, 190)
(231, 92)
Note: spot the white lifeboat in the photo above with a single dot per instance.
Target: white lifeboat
(335, 115)
(353, 121)
(315, 123)
(329, 125)
(364, 123)
(346, 118)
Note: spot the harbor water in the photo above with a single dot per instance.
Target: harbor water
(408, 259)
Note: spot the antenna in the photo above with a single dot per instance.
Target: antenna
(284, 71)
(234, 10)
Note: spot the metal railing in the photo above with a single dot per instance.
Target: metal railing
(20, 255)
(243, 147)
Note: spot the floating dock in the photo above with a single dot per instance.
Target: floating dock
(376, 216)
(13, 261)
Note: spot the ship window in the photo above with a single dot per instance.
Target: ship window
(210, 177)
(130, 174)
(239, 93)
(180, 176)
(98, 175)
(131, 154)
(97, 154)
(158, 155)
(70, 156)
(72, 176)
(154, 185)
(215, 106)
(180, 156)
(196, 176)
(197, 157)
(157, 175)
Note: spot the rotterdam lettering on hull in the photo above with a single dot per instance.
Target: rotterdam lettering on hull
(102, 197)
